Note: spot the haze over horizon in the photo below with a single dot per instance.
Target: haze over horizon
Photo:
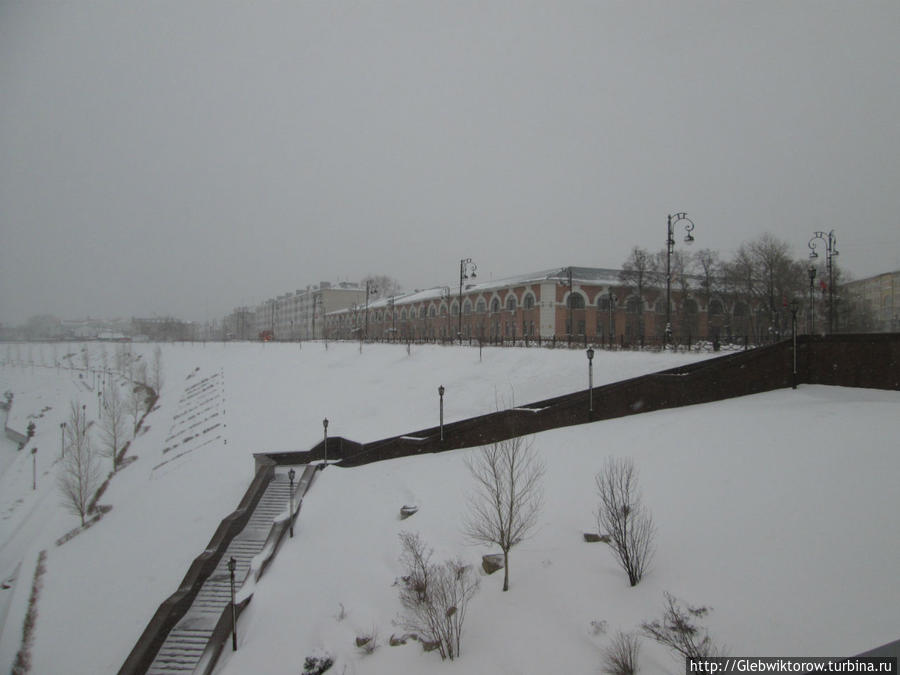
(182, 159)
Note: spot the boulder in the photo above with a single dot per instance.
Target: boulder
(363, 640)
(397, 640)
(406, 511)
(492, 562)
(590, 537)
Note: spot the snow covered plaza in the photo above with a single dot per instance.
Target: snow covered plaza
(778, 510)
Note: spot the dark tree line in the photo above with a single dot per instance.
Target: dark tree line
(749, 295)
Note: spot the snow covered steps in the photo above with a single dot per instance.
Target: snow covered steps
(183, 647)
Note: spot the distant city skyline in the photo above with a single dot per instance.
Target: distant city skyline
(165, 159)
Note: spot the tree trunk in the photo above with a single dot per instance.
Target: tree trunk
(506, 570)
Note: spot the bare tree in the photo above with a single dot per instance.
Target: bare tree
(156, 370)
(623, 517)
(638, 272)
(137, 405)
(435, 597)
(381, 285)
(620, 656)
(79, 475)
(112, 424)
(505, 505)
(679, 631)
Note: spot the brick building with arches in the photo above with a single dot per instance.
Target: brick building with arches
(581, 304)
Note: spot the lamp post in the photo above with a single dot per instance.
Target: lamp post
(393, 317)
(794, 306)
(62, 439)
(34, 468)
(830, 251)
(612, 325)
(570, 325)
(467, 270)
(670, 247)
(590, 355)
(325, 427)
(232, 564)
(99, 407)
(811, 319)
(441, 394)
(291, 475)
(370, 289)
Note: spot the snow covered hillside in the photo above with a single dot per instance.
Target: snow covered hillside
(777, 510)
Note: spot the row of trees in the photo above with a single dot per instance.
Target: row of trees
(746, 295)
(86, 443)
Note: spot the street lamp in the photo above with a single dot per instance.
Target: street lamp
(830, 241)
(232, 564)
(371, 289)
(590, 355)
(612, 325)
(670, 246)
(570, 326)
(291, 475)
(811, 319)
(441, 394)
(62, 439)
(794, 306)
(325, 426)
(467, 270)
(393, 317)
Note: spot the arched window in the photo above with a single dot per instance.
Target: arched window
(443, 309)
(495, 305)
(432, 311)
(576, 301)
(467, 306)
(511, 303)
(633, 305)
(603, 302)
(454, 308)
(715, 307)
(660, 306)
(528, 301)
(480, 306)
(403, 315)
(690, 306)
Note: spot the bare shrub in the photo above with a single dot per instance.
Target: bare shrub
(620, 656)
(508, 496)
(435, 597)
(624, 518)
(679, 631)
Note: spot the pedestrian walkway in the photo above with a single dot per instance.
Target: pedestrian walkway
(185, 643)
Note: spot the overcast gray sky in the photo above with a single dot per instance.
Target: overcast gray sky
(170, 157)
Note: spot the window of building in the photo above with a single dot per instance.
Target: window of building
(467, 307)
(480, 306)
(495, 305)
(511, 303)
(528, 301)
(576, 301)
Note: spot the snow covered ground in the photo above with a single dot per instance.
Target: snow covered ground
(777, 510)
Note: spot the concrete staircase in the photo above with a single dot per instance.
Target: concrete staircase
(183, 647)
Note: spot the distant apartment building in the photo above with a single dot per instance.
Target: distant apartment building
(301, 315)
(879, 299)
